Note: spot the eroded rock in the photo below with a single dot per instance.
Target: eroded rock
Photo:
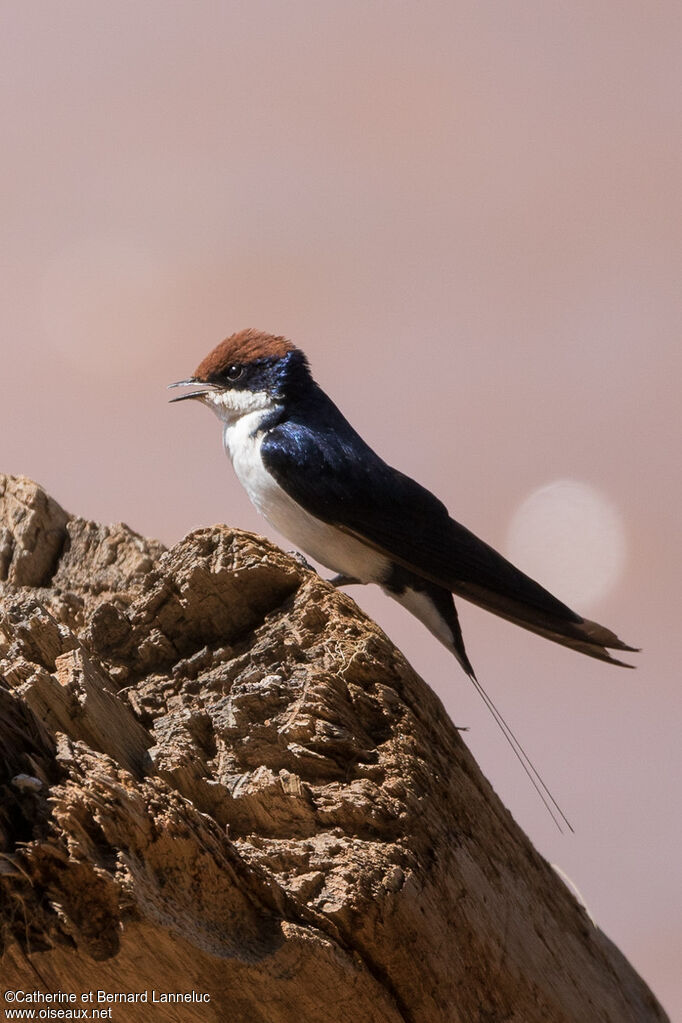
(241, 787)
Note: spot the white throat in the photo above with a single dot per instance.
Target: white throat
(232, 405)
(242, 413)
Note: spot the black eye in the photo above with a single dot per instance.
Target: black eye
(234, 371)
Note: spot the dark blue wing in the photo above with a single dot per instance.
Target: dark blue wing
(326, 467)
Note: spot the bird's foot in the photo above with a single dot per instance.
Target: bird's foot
(342, 580)
(297, 556)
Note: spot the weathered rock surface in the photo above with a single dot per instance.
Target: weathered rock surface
(216, 774)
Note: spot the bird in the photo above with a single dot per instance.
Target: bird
(315, 479)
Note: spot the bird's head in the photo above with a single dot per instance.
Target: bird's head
(247, 372)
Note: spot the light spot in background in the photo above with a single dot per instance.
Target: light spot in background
(107, 304)
(571, 539)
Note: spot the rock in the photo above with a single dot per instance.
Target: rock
(32, 532)
(218, 776)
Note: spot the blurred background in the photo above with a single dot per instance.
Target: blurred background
(467, 214)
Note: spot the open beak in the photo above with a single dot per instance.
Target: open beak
(192, 382)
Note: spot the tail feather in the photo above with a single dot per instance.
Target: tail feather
(435, 607)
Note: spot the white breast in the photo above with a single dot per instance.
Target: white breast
(324, 543)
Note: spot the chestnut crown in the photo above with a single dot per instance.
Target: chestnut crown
(252, 360)
(246, 346)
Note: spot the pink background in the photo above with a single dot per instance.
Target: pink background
(468, 215)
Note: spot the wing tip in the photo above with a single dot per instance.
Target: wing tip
(599, 635)
(614, 660)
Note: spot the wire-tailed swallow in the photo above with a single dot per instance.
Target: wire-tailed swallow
(319, 484)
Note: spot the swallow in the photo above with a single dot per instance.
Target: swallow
(314, 478)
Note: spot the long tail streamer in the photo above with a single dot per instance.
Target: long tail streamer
(523, 758)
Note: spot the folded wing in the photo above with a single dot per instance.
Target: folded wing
(318, 466)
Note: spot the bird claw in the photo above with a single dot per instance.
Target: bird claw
(297, 556)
